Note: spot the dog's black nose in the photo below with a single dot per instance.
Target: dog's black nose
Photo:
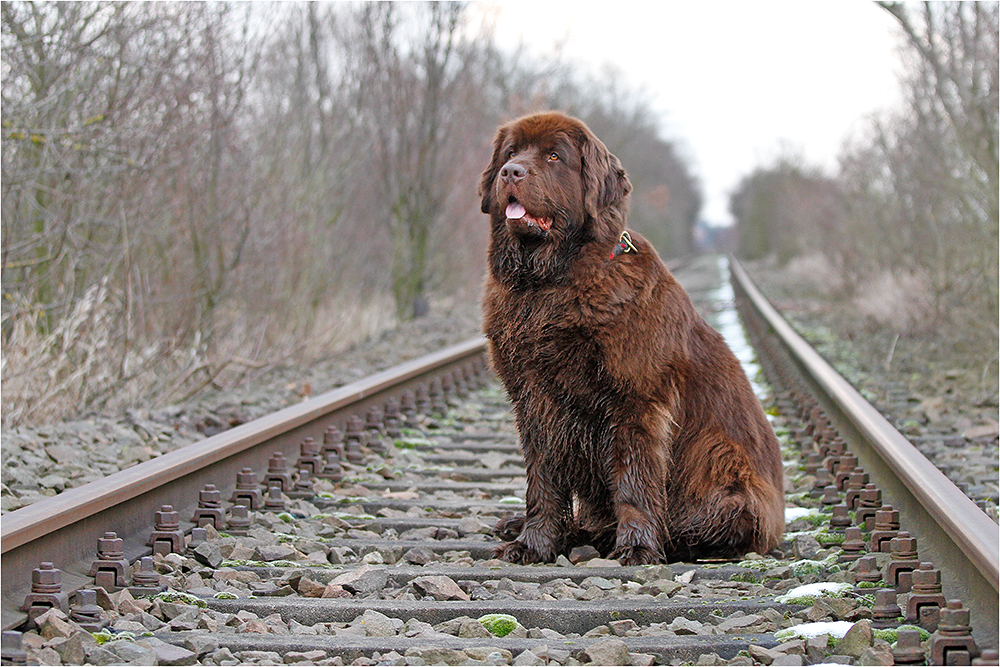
(512, 172)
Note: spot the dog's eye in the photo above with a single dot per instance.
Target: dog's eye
(510, 153)
(553, 156)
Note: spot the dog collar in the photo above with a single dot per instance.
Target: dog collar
(624, 245)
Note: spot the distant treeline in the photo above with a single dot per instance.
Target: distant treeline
(911, 216)
(194, 190)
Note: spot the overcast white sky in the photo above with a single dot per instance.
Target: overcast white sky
(736, 81)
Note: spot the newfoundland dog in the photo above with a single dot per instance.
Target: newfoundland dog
(640, 431)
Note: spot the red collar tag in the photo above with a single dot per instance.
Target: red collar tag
(624, 245)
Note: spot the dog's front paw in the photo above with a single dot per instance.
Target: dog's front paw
(509, 528)
(637, 555)
(516, 552)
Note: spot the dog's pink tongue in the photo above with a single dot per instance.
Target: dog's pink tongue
(515, 211)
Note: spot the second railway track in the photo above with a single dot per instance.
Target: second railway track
(383, 556)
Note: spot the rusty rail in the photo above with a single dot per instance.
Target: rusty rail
(953, 531)
(64, 529)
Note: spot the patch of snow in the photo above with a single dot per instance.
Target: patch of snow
(795, 513)
(833, 628)
(815, 590)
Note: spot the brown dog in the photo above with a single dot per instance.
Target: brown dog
(640, 431)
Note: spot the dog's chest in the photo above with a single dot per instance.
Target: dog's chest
(539, 340)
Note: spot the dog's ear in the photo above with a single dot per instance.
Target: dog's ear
(606, 188)
(487, 180)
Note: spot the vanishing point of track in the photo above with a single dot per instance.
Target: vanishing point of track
(837, 432)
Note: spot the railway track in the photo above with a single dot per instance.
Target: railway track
(381, 553)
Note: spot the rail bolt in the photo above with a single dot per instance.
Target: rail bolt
(886, 612)
(46, 592)
(277, 472)
(111, 570)
(848, 464)
(333, 442)
(855, 485)
(830, 495)
(840, 520)
(274, 501)
(392, 418)
(86, 613)
(886, 528)
(247, 491)
(167, 536)
(853, 546)
(408, 406)
(309, 457)
(904, 560)
(303, 485)
(145, 579)
(926, 599)
(907, 650)
(239, 520)
(867, 570)
(11, 649)
(952, 642)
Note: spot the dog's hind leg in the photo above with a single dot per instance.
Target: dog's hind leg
(730, 524)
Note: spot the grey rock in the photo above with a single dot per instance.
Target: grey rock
(623, 627)
(421, 556)
(100, 655)
(168, 654)
(736, 623)
(874, 656)
(269, 553)
(685, 626)
(132, 653)
(440, 587)
(489, 655)
(375, 624)
(72, 650)
(208, 553)
(805, 546)
(363, 580)
(224, 657)
(437, 656)
(764, 655)
(260, 657)
(658, 586)
(200, 644)
(600, 582)
(858, 638)
(527, 659)
(607, 652)
(653, 573)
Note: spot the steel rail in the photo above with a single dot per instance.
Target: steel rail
(953, 531)
(64, 529)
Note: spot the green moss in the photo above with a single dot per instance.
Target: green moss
(180, 598)
(499, 625)
(102, 637)
(225, 595)
(889, 634)
(412, 442)
(759, 564)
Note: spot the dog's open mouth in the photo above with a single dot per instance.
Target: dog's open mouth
(518, 219)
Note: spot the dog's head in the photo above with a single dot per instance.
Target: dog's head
(551, 179)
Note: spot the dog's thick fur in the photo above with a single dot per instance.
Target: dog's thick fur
(640, 431)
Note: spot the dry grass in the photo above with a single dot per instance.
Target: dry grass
(91, 363)
(902, 302)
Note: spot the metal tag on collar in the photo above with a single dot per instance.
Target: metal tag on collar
(624, 245)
